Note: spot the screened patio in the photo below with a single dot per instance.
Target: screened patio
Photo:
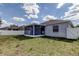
(35, 30)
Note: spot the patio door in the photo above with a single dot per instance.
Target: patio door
(39, 30)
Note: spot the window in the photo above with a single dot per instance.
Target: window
(55, 28)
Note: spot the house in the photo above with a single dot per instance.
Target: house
(57, 28)
(53, 28)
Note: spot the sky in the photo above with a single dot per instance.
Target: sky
(20, 13)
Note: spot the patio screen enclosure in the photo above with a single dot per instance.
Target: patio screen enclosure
(34, 30)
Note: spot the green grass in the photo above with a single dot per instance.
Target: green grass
(40, 46)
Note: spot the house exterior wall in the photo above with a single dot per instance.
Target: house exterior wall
(62, 30)
(72, 33)
(11, 32)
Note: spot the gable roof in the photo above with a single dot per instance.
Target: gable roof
(50, 22)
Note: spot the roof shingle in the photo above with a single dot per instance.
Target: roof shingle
(54, 22)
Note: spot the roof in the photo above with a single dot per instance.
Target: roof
(34, 24)
(56, 22)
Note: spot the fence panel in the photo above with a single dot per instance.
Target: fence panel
(72, 33)
(11, 32)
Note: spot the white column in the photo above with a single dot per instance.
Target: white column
(33, 30)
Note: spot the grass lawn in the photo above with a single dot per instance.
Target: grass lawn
(40, 46)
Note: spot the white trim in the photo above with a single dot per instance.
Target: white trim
(34, 35)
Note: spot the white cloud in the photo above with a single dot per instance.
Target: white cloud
(32, 9)
(18, 19)
(60, 5)
(73, 13)
(73, 6)
(5, 23)
(36, 22)
(49, 17)
(31, 16)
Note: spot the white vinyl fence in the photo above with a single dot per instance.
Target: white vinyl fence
(11, 32)
(72, 33)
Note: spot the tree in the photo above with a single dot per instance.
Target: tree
(0, 21)
(77, 26)
(13, 27)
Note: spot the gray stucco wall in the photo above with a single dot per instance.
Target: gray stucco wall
(62, 30)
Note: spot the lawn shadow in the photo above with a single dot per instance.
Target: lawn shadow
(59, 39)
(22, 37)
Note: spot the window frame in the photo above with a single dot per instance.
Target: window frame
(55, 28)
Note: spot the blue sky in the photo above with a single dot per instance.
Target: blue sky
(10, 10)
